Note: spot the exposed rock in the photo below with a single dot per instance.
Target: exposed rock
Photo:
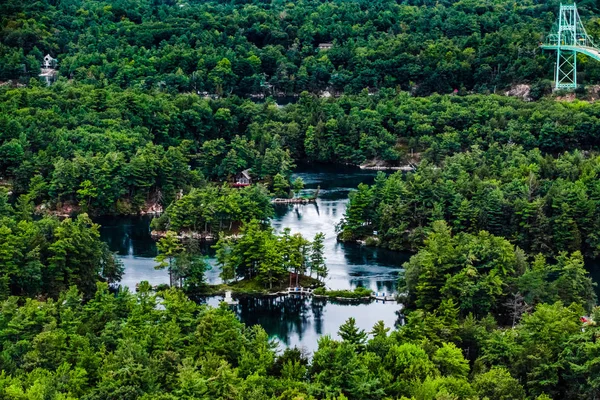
(521, 91)
(381, 165)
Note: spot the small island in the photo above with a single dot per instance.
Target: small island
(255, 261)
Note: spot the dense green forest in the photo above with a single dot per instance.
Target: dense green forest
(261, 254)
(543, 204)
(257, 47)
(109, 150)
(122, 346)
(215, 208)
(43, 257)
(160, 104)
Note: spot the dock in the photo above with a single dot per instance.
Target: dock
(383, 296)
(295, 200)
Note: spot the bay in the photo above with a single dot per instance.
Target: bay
(291, 320)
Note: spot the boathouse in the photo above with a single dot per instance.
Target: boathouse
(243, 179)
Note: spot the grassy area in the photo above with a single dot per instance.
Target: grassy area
(256, 286)
(359, 292)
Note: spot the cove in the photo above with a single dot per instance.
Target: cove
(293, 321)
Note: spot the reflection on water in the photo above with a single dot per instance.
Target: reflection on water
(350, 265)
(128, 235)
(593, 266)
(294, 321)
(300, 321)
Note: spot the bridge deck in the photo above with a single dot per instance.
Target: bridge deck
(589, 51)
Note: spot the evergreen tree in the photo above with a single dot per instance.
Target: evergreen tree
(169, 248)
(317, 257)
(350, 333)
(281, 186)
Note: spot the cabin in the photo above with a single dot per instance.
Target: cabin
(325, 46)
(49, 62)
(243, 179)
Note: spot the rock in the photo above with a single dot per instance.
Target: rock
(521, 91)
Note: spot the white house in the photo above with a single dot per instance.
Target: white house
(49, 62)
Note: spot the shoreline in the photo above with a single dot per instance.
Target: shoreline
(294, 200)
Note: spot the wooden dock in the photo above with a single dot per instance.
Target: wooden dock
(295, 200)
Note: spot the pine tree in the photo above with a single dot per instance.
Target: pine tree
(169, 247)
(317, 258)
(281, 186)
(297, 185)
(350, 333)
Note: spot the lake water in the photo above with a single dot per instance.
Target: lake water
(294, 321)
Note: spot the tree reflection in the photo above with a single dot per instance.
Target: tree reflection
(280, 316)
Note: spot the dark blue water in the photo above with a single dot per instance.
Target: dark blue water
(293, 321)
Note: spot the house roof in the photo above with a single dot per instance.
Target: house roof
(246, 173)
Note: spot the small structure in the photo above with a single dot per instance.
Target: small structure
(243, 179)
(383, 296)
(49, 62)
(300, 290)
(48, 71)
(325, 46)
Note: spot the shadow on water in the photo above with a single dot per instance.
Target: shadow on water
(593, 267)
(300, 321)
(128, 235)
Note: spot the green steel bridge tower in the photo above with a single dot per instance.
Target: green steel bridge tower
(568, 37)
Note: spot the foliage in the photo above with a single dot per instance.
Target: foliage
(350, 333)
(46, 256)
(152, 109)
(183, 260)
(215, 208)
(123, 344)
(258, 252)
(476, 271)
(109, 149)
(543, 204)
(257, 48)
(358, 293)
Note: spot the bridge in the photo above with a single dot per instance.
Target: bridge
(568, 37)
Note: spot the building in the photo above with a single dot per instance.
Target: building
(325, 46)
(49, 62)
(243, 179)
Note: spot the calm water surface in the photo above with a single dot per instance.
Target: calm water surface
(294, 321)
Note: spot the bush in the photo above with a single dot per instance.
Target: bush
(357, 293)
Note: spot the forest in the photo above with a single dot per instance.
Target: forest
(118, 151)
(544, 204)
(158, 106)
(122, 346)
(257, 47)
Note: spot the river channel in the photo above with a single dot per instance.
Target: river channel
(293, 321)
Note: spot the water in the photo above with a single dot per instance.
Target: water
(350, 265)
(300, 321)
(294, 321)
